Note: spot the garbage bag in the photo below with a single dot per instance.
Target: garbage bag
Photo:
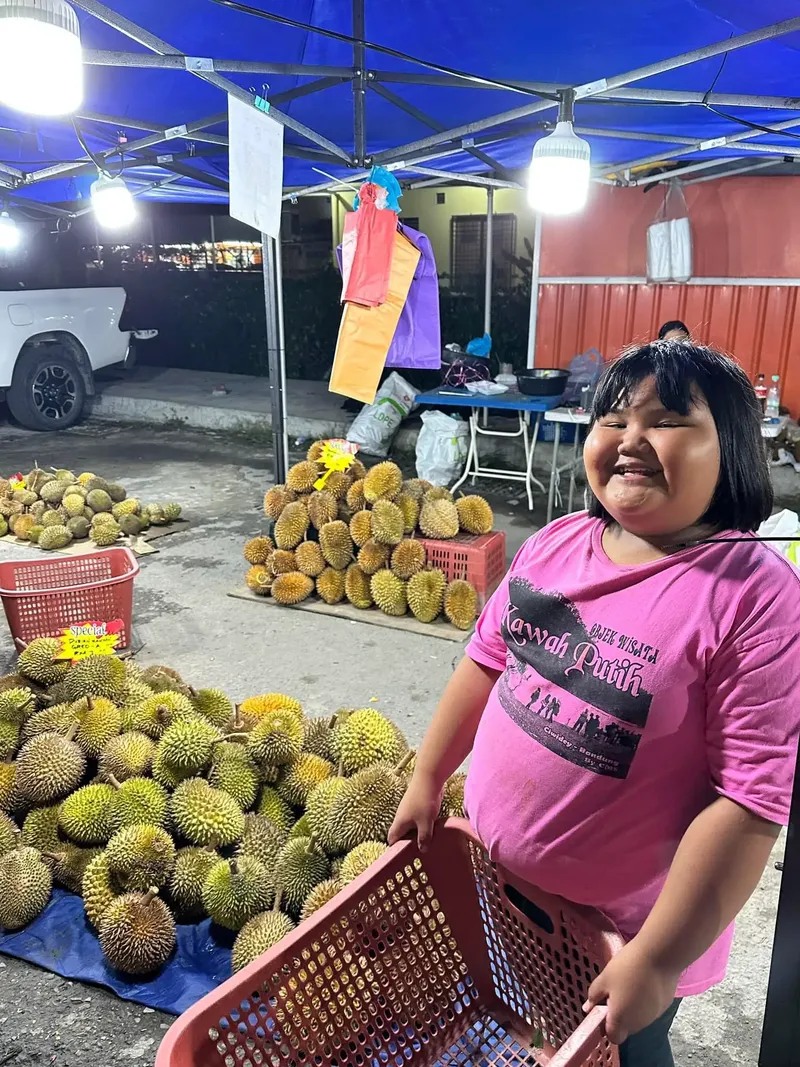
(442, 447)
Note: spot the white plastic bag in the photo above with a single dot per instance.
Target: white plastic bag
(783, 523)
(669, 243)
(376, 424)
(442, 447)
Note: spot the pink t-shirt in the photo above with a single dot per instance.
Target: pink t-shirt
(630, 697)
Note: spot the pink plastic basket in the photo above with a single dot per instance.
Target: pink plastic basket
(441, 958)
(41, 597)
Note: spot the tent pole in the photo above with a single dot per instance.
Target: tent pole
(535, 273)
(281, 344)
(359, 87)
(487, 283)
(276, 377)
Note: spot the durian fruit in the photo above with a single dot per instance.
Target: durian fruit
(192, 867)
(410, 509)
(359, 859)
(408, 558)
(337, 483)
(363, 738)
(49, 767)
(98, 676)
(16, 705)
(318, 809)
(330, 586)
(99, 500)
(102, 519)
(65, 475)
(53, 492)
(56, 719)
(86, 477)
(187, 745)
(73, 504)
(4, 526)
(158, 712)
(301, 477)
(253, 709)
(383, 482)
(69, 863)
(21, 525)
(301, 865)
(131, 525)
(388, 524)
(172, 511)
(302, 828)
(116, 492)
(54, 537)
(35, 533)
(213, 705)
(79, 528)
(129, 755)
(439, 519)
(166, 775)
(25, 886)
(355, 498)
(161, 678)
(54, 518)
(9, 739)
(425, 593)
(320, 895)
(282, 562)
(85, 815)
(131, 506)
(275, 808)
(259, 579)
(318, 736)
(233, 770)
(291, 527)
(322, 508)
(308, 559)
(9, 834)
(137, 933)
(258, 550)
(25, 497)
(137, 801)
(292, 588)
(8, 798)
(373, 557)
(262, 839)
(202, 814)
(365, 806)
(315, 450)
(99, 720)
(336, 544)
(156, 514)
(438, 492)
(461, 604)
(277, 738)
(259, 935)
(236, 890)
(389, 593)
(361, 527)
(40, 830)
(453, 797)
(276, 500)
(301, 776)
(105, 535)
(37, 478)
(474, 514)
(141, 855)
(356, 587)
(98, 888)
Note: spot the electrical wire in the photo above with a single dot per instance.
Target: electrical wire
(734, 118)
(98, 161)
(478, 79)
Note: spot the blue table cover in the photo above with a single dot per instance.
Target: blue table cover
(513, 400)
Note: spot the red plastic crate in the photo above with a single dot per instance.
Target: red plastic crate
(442, 958)
(479, 559)
(41, 597)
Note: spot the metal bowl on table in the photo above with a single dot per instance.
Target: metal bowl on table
(543, 381)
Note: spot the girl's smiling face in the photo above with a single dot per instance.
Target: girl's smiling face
(654, 471)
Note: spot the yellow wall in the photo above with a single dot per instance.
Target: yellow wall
(434, 219)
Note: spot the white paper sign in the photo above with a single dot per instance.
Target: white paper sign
(256, 167)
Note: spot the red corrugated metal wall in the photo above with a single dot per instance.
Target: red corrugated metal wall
(759, 324)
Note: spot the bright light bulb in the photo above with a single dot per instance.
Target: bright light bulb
(41, 64)
(560, 172)
(9, 233)
(112, 202)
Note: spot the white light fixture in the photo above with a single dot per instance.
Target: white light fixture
(9, 233)
(112, 202)
(41, 63)
(560, 172)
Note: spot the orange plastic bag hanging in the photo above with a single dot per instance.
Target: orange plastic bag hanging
(366, 278)
(366, 333)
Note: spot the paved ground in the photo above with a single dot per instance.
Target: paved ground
(183, 618)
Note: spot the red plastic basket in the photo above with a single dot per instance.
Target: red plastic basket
(41, 597)
(442, 958)
(479, 559)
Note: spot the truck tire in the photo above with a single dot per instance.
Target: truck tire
(47, 390)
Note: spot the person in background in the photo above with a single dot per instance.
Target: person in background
(674, 330)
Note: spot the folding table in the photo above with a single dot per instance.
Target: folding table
(576, 418)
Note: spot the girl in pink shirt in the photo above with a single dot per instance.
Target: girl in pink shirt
(630, 693)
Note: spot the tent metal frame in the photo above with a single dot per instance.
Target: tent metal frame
(782, 1016)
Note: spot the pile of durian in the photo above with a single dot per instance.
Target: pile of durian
(53, 508)
(356, 539)
(160, 803)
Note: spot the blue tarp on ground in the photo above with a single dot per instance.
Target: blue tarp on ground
(60, 940)
(572, 41)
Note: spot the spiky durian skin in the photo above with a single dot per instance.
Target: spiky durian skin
(383, 481)
(237, 890)
(308, 559)
(320, 802)
(292, 588)
(259, 579)
(355, 498)
(322, 508)
(365, 806)
(336, 544)
(8, 774)
(25, 886)
(141, 856)
(253, 709)
(202, 814)
(452, 804)
(137, 935)
(357, 587)
(262, 839)
(137, 801)
(461, 604)
(301, 776)
(364, 738)
(275, 808)
(389, 593)
(439, 519)
(276, 500)
(129, 755)
(99, 721)
(301, 865)
(474, 514)
(438, 492)
(69, 863)
(282, 562)
(318, 736)
(213, 705)
(192, 867)
(330, 585)
(40, 829)
(9, 739)
(38, 661)
(425, 592)
(319, 896)
(291, 527)
(361, 528)
(388, 524)
(258, 550)
(408, 559)
(359, 859)
(301, 477)
(48, 768)
(277, 739)
(16, 705)
(233, 771)
(97, 676)
(85, 815)
(188, 744)
(98, 889)
(373, 557)
(259, 935)
(9, 833)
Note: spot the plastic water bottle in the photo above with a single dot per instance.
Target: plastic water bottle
(773, 405)
(761, 391)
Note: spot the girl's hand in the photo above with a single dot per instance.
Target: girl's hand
(637, 989)
(418, 811)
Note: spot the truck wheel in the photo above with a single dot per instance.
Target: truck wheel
(47, 390)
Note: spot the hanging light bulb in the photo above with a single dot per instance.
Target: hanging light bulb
(112, 202)
(558, 183)
(9, 233)
(41, 64)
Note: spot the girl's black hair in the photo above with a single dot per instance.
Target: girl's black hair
(743, 497)
(673, 324)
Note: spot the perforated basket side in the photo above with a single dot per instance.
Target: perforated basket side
(478, 559)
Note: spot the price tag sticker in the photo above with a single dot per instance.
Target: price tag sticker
(337, 455)
(85, 639)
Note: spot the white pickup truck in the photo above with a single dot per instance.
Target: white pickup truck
(51, 343)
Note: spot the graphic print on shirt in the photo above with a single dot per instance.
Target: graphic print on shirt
(566, 689)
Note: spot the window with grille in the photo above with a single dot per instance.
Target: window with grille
(468, 250)
(410, 220)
